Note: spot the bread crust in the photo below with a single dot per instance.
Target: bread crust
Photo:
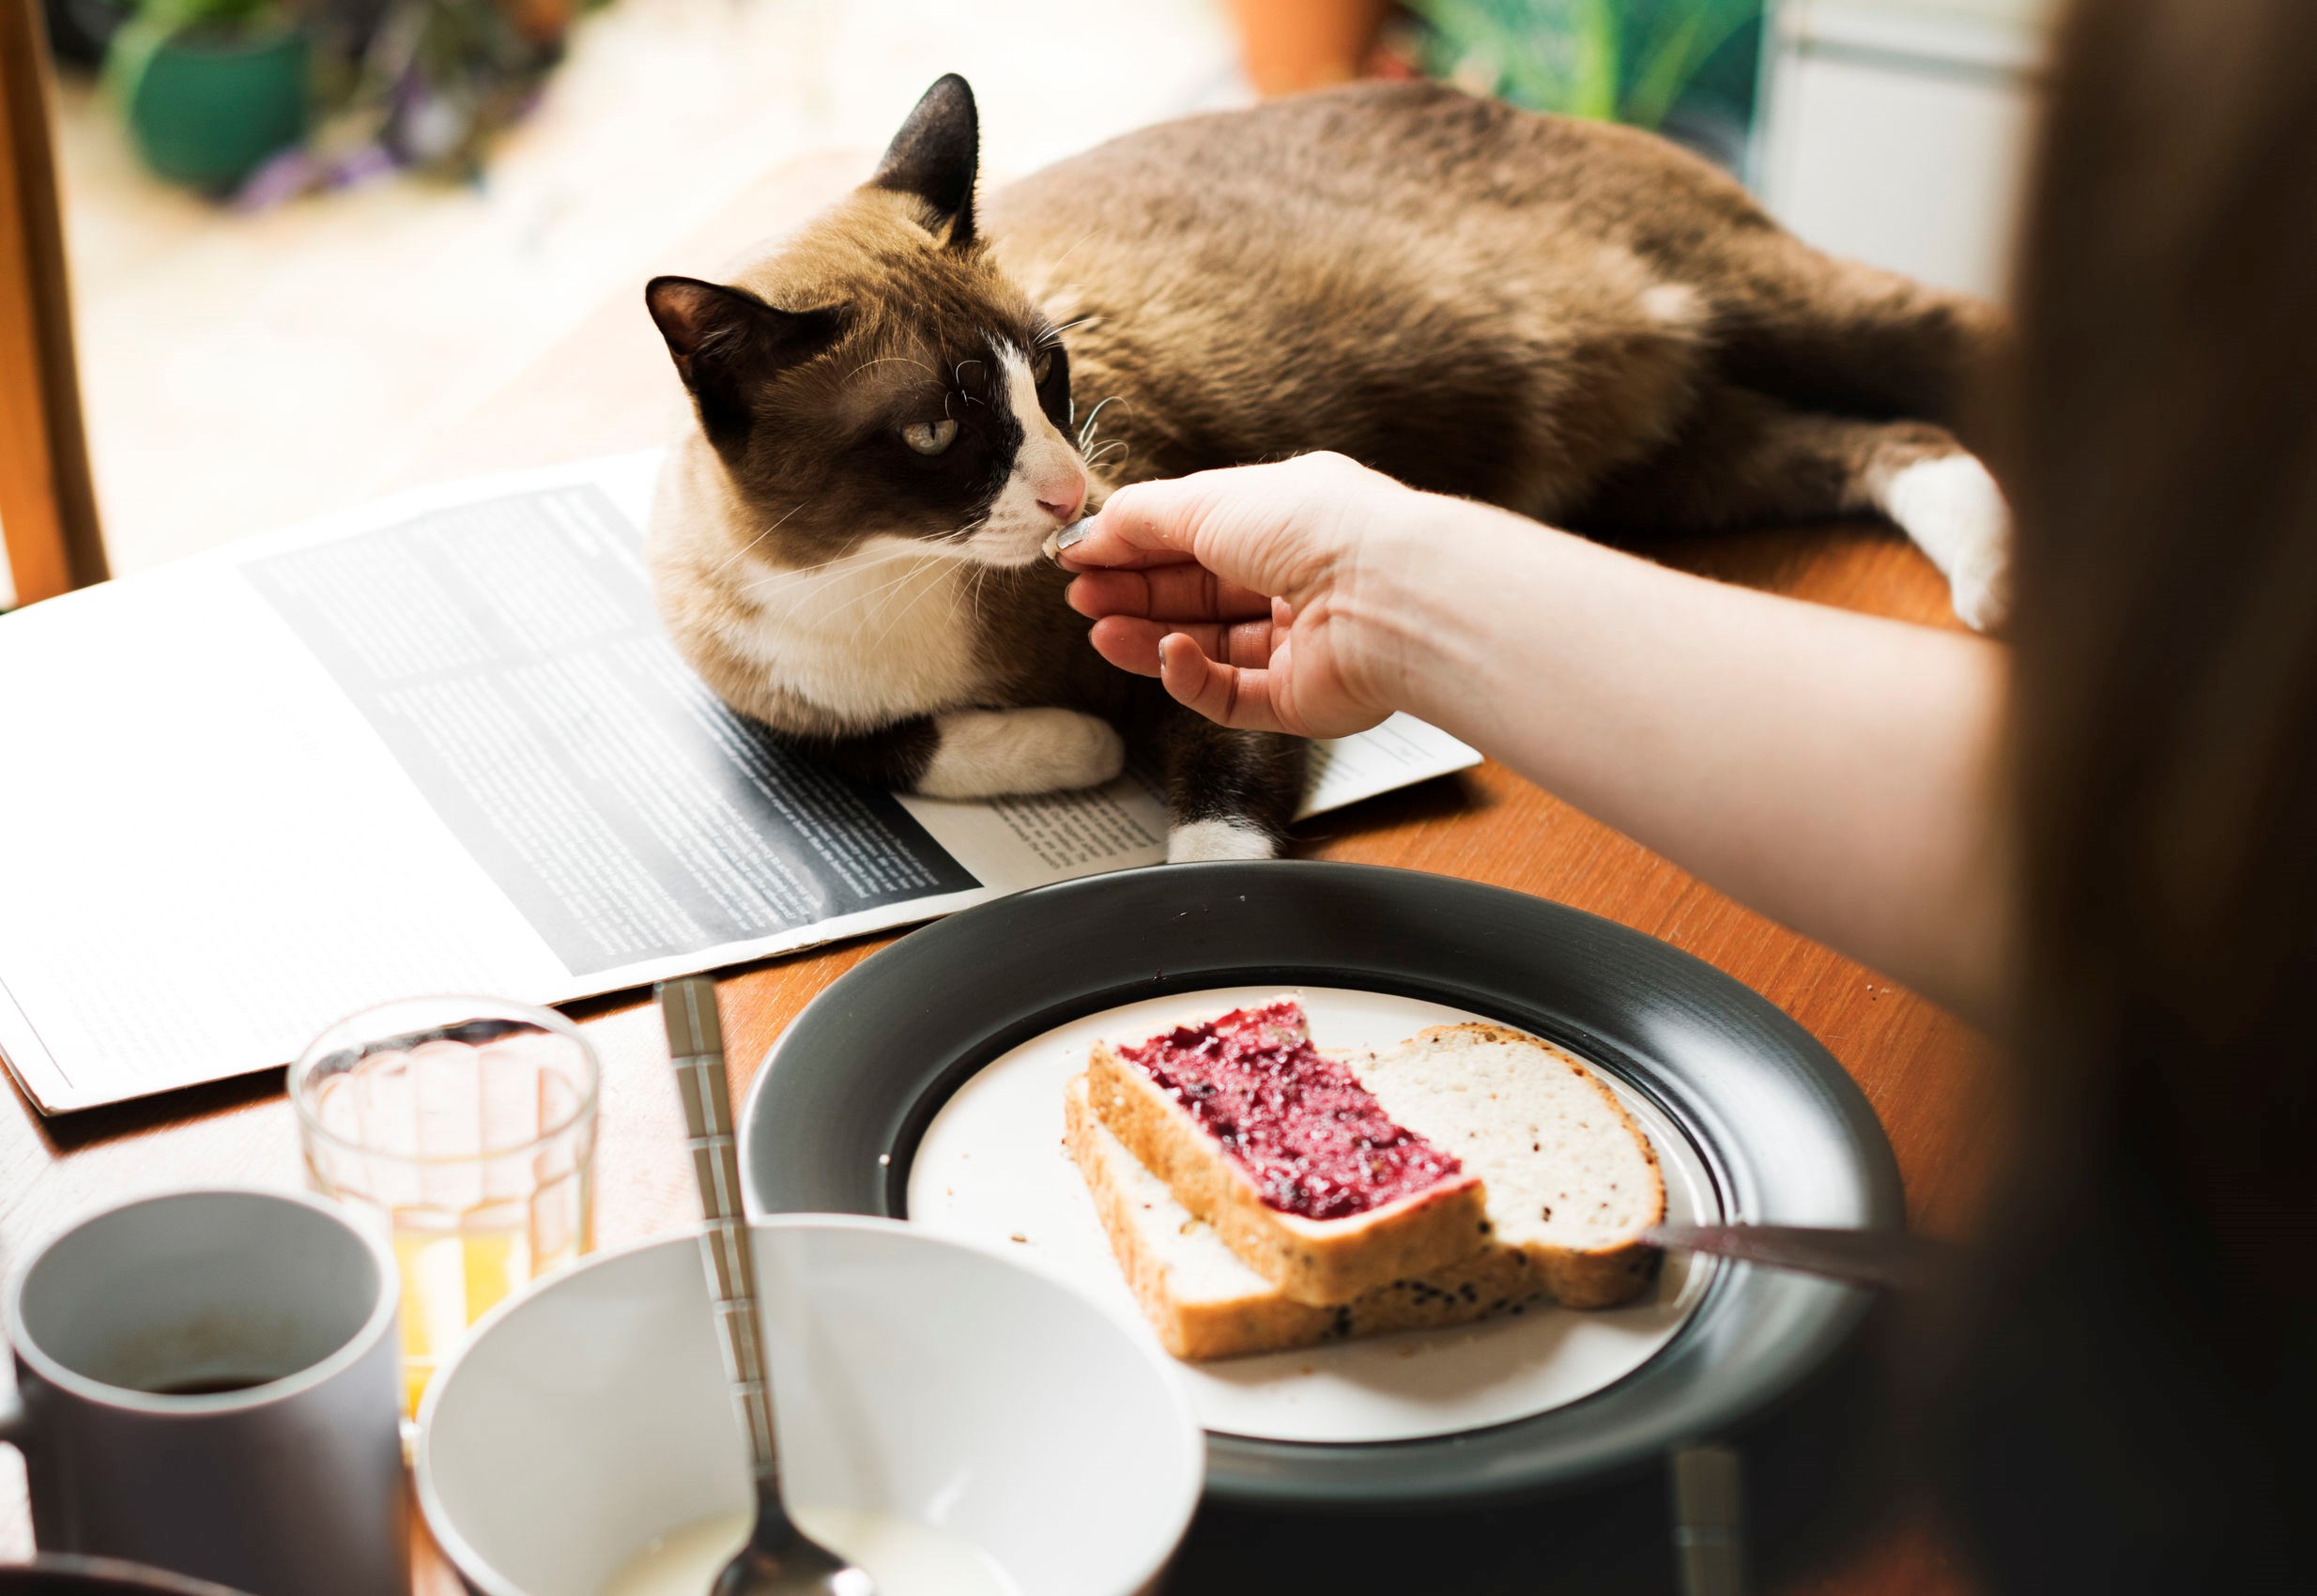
(1493, 1280)
(1322, 1263)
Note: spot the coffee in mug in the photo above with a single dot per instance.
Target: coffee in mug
(207, 1382)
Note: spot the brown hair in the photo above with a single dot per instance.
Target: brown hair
(2166, 483)
(2139, 1383)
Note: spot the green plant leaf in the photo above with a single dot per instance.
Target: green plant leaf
(1628, 60)
(1673, 60)
(1598, 47)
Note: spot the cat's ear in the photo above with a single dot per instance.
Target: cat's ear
(934, 157)
(726, 342)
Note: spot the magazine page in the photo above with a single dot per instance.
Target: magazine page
(442, 745)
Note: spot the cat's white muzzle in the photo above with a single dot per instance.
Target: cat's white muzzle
(1007, 549)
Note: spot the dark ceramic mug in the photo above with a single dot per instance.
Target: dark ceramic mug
(99, 1576)
(209, 1383)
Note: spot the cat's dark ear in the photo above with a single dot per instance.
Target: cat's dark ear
(726, 342)
(934, 157)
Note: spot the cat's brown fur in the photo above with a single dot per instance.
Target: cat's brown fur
(1578, 321)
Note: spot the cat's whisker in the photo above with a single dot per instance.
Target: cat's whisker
(1066, 254)
(916, 562)
(892, 359)
(735, 556)
(917, 559)
(786, 572)
(804, 571)
(883, 637)
(933, 570)
(1052, 337)
(786, 578)
(891, 594)
(1086, 428)
(890, 588)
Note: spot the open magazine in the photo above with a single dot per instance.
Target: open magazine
(440, 744)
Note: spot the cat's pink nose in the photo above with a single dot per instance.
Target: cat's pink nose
(1063, 497)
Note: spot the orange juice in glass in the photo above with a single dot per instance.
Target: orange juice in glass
(465, 1128)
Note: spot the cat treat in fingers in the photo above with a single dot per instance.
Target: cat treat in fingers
(1296, 1166)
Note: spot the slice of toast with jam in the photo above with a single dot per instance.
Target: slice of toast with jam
(1292, 1162)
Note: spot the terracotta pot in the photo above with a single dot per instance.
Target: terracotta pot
(1292, 45)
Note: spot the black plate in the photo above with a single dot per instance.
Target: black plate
(1786, 1136)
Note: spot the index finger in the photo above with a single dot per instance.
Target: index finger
(1168, 592)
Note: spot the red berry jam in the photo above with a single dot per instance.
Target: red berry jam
(1314, 1141)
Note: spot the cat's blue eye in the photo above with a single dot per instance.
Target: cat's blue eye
(930, 438)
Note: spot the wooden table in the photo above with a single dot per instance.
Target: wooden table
(606, 386)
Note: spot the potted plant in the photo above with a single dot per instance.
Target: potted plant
(210, 88)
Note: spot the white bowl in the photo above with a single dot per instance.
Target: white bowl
(933, 1378)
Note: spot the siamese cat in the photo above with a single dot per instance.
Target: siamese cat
(901, 403)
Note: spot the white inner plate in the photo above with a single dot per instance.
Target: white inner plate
(992, 1167)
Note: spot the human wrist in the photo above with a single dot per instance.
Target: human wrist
(1419, 605)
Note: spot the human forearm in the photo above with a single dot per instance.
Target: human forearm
(1833, 770)
(1829, 769)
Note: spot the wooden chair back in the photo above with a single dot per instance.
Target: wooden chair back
(48, 504)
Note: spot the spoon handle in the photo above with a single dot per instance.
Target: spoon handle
(696, 1045)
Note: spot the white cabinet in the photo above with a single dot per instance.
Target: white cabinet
(1897, 131)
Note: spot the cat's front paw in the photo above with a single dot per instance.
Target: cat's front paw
(1009, 753)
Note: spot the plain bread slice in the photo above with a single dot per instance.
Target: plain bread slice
(1571, 1180)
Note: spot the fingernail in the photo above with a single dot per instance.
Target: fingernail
(1075, 533)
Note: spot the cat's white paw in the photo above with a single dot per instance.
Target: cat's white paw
(1954, 512)
(1006, 753)
(1219, 839)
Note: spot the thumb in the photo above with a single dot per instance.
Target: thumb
(1143, 524)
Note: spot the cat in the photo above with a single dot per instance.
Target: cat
(900, 404)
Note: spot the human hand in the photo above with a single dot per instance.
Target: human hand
(1262, 596)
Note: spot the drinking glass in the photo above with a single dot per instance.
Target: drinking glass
(465, 1128)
